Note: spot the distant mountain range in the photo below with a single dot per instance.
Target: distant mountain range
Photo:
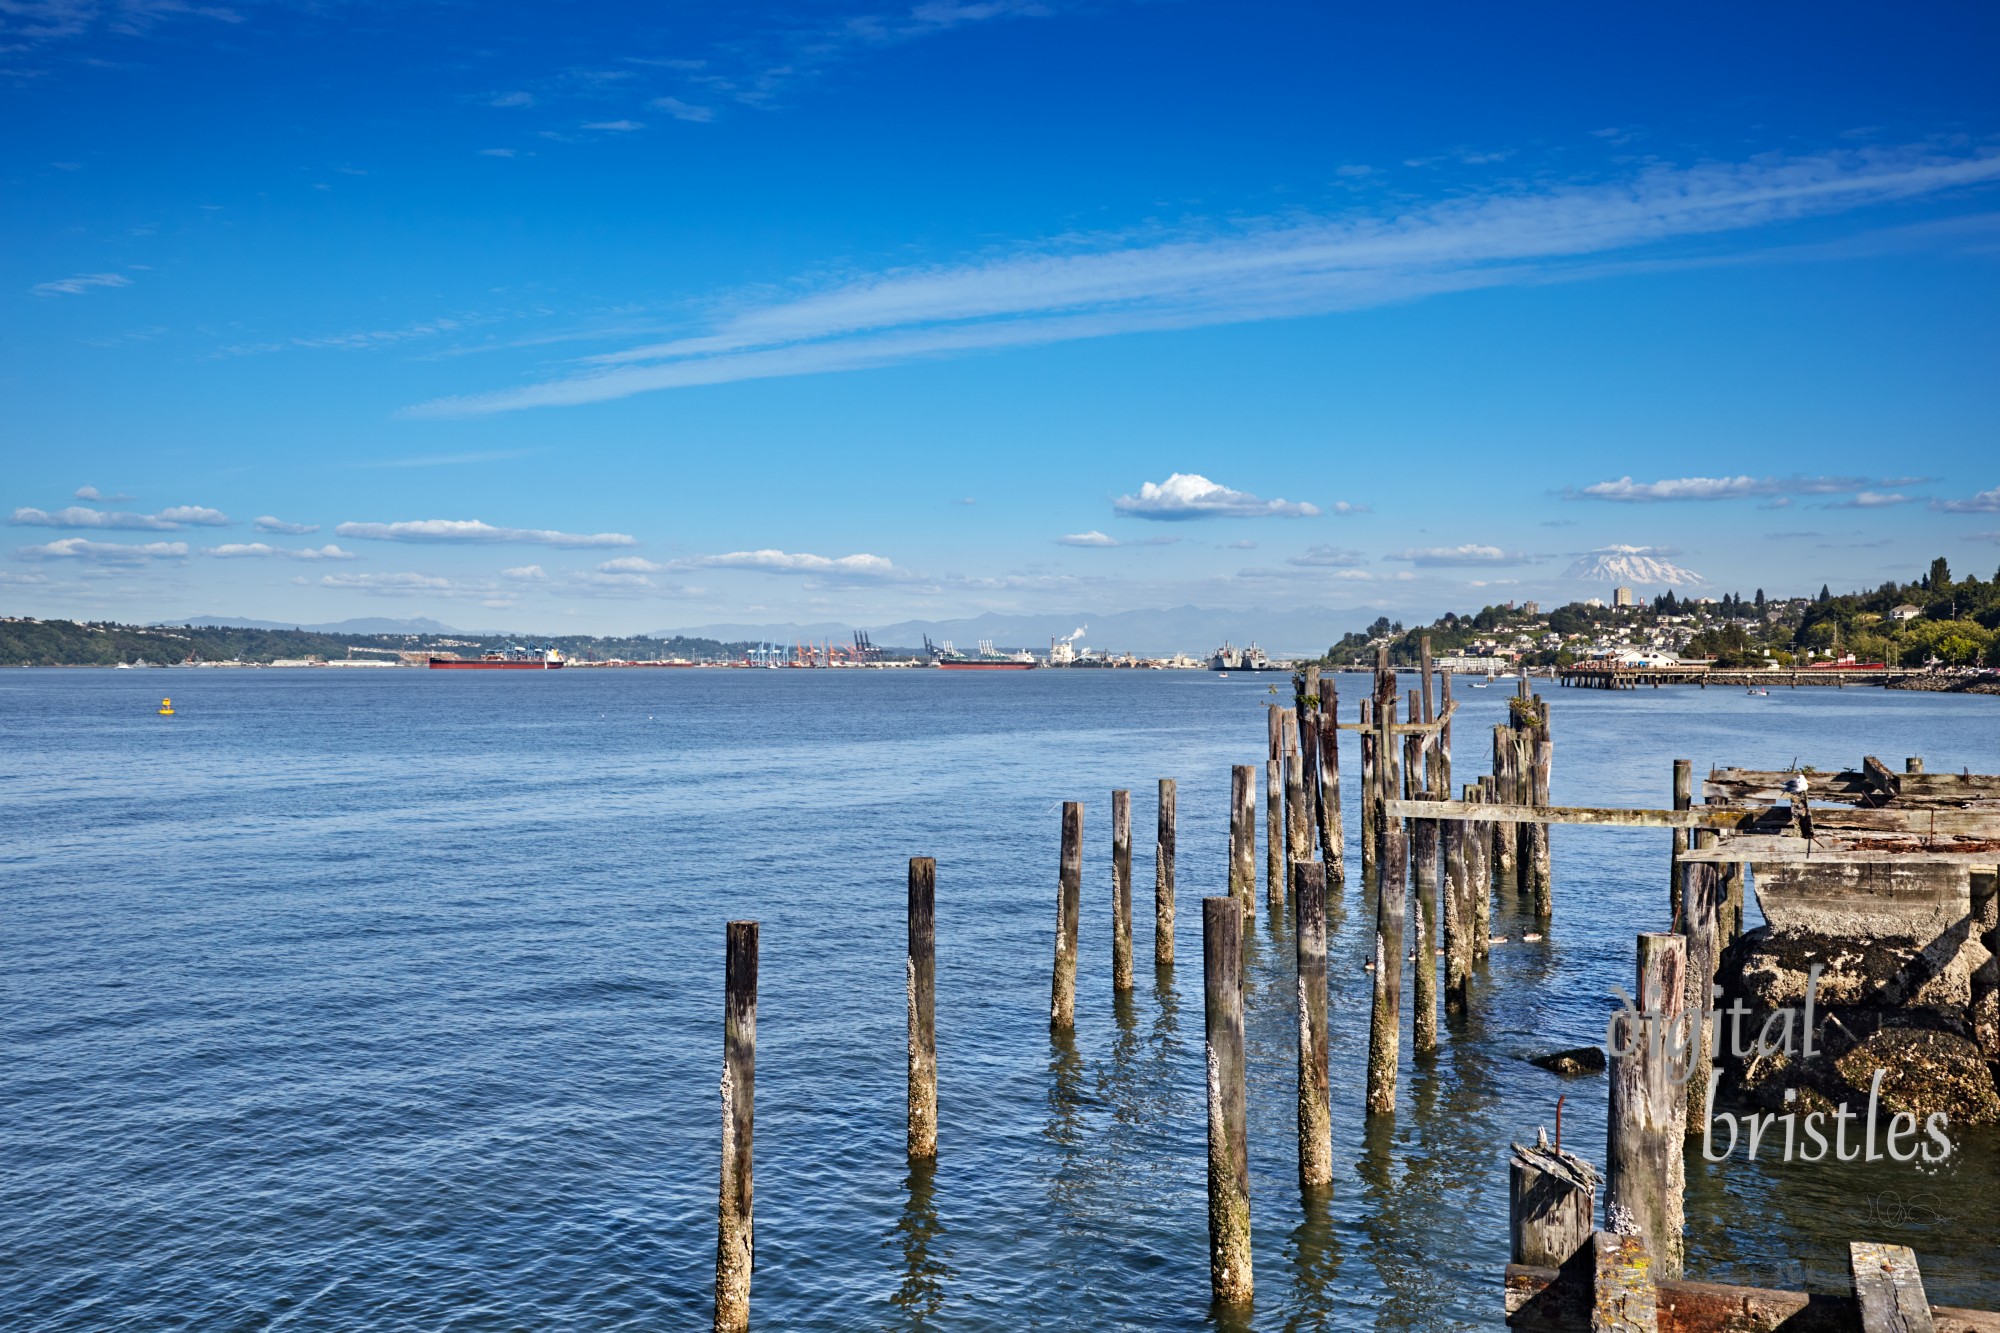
(1189, 629)
(364, 625)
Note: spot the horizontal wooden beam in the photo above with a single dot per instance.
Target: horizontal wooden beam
(1763, 851)
(1708, 1307)
(1407, 728)
(1722, 818)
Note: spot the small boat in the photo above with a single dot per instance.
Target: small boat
(1479, 684)
(1758, 692)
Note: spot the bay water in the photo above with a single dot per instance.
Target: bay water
(352, 999)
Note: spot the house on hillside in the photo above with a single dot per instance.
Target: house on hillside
(1905, 612)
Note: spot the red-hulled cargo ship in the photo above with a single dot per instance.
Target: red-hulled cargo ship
(512, 659)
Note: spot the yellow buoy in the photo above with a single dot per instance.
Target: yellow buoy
(166, 708)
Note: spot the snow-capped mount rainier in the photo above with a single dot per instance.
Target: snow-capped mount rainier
(1632, 565)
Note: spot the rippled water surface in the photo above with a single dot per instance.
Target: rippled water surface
(349, 1000)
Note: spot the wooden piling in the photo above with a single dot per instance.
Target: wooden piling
(1700, 924)
(734, 1240)
(1683, 799)
(1536, 753)
(1163, 877)
(1332, 836)
(1888, 1289)
(1315, 1106)
(1457, 910)
(1243, 838)
(1424, 678)
(1913, 765)
(1385, 1011)
(922, 982)
(1069, 911)
(1551, 1205)
(1306, 712)
(1121, 890)
(1369, 778)
(1228, 1147)
(1506, 790)
(1645, 1172)
(1441, 750)
(1423, 836)
(1274, 831)
(1478, 875)
(1274, 733)
(1298, 814)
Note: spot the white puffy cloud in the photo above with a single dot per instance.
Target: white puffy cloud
(93, 494)
(473, 530)
(103, 553)
(266, 523)
(861, 566)
(264, 551)
(526, 574)
(630, 564)
(1191, 495)
(1091, 538)
(76, 516)
(195, 516)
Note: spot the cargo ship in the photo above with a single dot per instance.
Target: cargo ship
(945, 658)
(506, 659)
(1231, 658)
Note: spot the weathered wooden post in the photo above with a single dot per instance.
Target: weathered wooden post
(1479, 873)
(1315, 1106)
(1888, 1289)
(1424, 679)
(1228, 1147)
(1644, 1170)
(1306, 716)
(1332, 837)
(1506, 789)
(1913, 765)
(1274, 831)
(1298, 815)
(1538, 754)
(922, 980)
(1069, 911)
(1163, 878)
(1683, 800)
(1385, 1012)
(1274, 733)
(1458, 952)
(1441, 749)
(1551, 1204)
(735, 1247)
(1369, 779)
(1423, 835)
(1243, 838)
(1700, 924)
(1121, 890)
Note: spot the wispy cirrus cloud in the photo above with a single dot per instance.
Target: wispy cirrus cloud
(264, 551)
(1986, 502)
(1274, 269)
(1185, 495)
(404, 584)
(96, 496)
(1327, 557)
(1871, 500)
(1627, 491)
(1094, 538)
(167, 520)
(79, 283)
(473, 531)
(103, 553)
(1467, 555)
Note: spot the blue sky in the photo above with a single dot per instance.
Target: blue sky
(613, 318)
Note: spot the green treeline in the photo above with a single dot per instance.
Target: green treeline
(1953, 622)
(68, 643)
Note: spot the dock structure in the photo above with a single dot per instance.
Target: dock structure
(1611, 1283)
(1619, 676)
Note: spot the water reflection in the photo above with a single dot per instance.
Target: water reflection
(917, 1235)
(1314, 1251)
